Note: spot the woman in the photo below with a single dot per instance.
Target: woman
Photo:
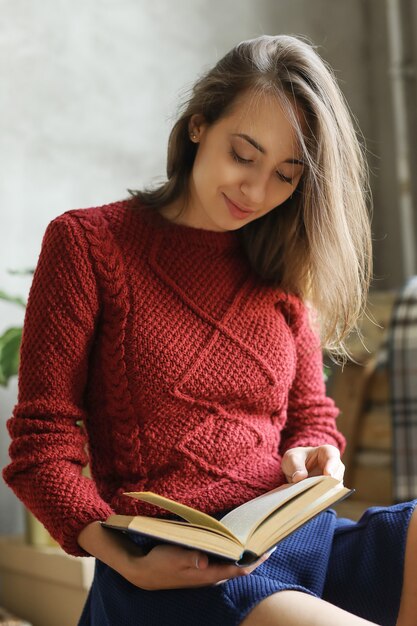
(181, 326)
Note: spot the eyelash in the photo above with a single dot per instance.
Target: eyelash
(239, 159)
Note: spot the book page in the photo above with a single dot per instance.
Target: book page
(182, 510)
(181, 533)
(274, 530)
(244, 519)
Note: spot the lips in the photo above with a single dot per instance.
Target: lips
(239, 206)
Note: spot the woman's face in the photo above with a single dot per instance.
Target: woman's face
(249, 159)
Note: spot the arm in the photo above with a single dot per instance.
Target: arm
(311, 415)
(164, 567)
(48, 448)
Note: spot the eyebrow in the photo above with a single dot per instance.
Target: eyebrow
(256, 145)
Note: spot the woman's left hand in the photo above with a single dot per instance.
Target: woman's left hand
(299, 463)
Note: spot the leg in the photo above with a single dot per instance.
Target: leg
(408, 608)
(294, 608)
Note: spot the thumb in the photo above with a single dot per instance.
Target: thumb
(298, 475)
(294, 465)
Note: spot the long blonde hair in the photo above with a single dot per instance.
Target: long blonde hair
(319, 247)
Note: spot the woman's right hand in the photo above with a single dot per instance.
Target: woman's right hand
(164, 567)
(172, 567)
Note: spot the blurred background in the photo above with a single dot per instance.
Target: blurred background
(89, 92)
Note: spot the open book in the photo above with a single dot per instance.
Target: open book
(245, 533)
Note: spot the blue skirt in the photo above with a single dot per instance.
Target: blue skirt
(357, 566)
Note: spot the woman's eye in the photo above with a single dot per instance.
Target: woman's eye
(238, 158)
(285, 178)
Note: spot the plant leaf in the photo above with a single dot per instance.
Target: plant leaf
(16, 299)
(10, 342)
(25, 272)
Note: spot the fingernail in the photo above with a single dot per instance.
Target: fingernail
(297, 472)
(197, 562)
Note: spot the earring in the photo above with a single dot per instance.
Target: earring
(193, 136)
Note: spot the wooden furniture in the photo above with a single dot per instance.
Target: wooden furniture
(361, 391)
(7, 619)
(43, 585)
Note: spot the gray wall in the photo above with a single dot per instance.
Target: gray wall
(89, 93)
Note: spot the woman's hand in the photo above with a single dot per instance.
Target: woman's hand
(172, 567)
(164, 567)
(299, 463)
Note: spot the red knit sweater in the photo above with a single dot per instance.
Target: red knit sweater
(190, 377)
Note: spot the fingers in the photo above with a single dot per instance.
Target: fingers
(257, 563)
(294, 464)
(172, 567)
(216, 574)
(337, 470)
(298, 475)
(331, 463)
(197, 560)
(298, 463)
(240, 571)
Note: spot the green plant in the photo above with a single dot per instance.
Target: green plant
(10, 340)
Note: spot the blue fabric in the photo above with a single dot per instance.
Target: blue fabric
(355, 565)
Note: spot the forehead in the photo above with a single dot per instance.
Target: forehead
(265, 117)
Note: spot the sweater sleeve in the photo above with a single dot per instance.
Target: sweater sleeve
(48, 448)
(311, 415)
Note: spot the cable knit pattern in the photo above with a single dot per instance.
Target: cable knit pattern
(191, 378)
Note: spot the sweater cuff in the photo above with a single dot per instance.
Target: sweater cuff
(337, 440)
(73, 527)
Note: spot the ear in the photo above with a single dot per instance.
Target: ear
(197, 124)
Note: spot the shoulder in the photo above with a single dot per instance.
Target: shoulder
(110, 225)
(301, 317)
(292, 307)
(107, 216)
(80, 238)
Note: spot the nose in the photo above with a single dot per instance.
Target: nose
(254, 188)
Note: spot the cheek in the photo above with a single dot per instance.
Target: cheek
(212, 171)
(280, 194)
(200, 172)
